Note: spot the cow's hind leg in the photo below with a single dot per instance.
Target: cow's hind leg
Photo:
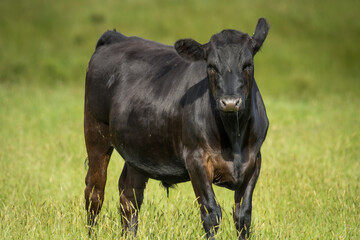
(131, 189)
(99, 149)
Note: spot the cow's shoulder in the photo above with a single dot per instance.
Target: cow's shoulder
(259, 120)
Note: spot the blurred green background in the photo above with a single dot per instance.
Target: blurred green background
(308, 73)
(312, 48)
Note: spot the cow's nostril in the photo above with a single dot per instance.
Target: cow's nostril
(229, 104)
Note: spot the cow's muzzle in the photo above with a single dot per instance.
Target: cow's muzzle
(230, 103)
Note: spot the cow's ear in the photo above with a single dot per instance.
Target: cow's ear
(261, 31)
(190, 49)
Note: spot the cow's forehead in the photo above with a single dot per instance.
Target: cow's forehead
(229, 46)
(230, 37)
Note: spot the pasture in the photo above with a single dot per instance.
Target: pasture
(308, 73)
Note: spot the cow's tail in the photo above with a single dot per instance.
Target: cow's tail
(110, 37)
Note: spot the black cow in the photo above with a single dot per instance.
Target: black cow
(189, 112)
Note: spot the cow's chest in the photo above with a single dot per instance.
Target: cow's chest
(232, 170)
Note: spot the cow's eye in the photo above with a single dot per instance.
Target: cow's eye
(247, 67)
(212, 70)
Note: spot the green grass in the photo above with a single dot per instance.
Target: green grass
(308, 72)
(308, 187)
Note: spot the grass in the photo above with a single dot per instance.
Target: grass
(307, 71)
(308, 187)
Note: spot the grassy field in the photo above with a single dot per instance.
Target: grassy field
(308, 72)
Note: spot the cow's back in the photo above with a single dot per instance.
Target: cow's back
(136, 86)
(127, 61)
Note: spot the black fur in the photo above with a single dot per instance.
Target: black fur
(110, 37)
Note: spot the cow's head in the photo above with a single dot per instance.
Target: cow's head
(230, 67)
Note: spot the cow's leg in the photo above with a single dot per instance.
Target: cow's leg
(131, 189)
(99, 151)
(201, 175)
(242, 211)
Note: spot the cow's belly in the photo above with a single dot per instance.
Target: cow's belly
(149, 144)
(169, 170)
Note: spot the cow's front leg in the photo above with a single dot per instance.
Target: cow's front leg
(201, 175)
(242, 211)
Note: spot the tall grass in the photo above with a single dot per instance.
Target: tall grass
(307, 71)
(308, 187)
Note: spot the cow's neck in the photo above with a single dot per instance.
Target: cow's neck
(235, 125)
